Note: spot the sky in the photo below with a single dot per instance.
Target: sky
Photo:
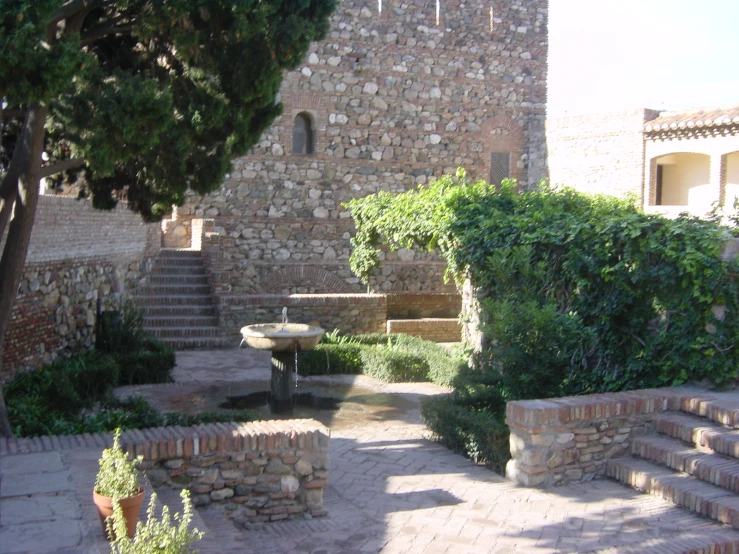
(609, 55)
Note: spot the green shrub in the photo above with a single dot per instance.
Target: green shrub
(142, 359)
(71, 396)
(443, 365)
(478, 434)
(48, 400)
(536, 346)
(626, 297)
(392, 365)
(377, 338)
(328, 359)
(152, 362)
(394, 357)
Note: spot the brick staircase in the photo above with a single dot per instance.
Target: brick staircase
(692, 459)
(178, 302)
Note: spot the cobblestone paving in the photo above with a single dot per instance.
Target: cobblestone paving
(390, 491)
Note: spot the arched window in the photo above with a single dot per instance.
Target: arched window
(302, 134)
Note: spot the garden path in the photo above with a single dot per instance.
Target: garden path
(391, 491)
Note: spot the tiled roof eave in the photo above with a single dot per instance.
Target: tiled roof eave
(691, 132)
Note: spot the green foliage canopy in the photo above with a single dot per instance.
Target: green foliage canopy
(155, 97)
(579, 293)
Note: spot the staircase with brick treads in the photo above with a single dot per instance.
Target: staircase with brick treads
(692, 458)
(177, 302)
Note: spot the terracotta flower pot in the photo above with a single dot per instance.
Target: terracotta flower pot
(130, 506)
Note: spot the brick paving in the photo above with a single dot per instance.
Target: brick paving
(390, 491)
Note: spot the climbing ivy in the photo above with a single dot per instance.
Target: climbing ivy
(579, 293)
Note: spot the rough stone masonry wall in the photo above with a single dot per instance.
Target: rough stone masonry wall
(272, 470)
(601, 153)
(350, 313)
(269, 470)
(395, 99)
(76, 256)
(561, 440)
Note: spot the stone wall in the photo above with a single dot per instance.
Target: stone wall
(351, 313)
(76, 257)
(269, 470)
(601, 153)
(253, 260)
(561, 440)
(395, 99)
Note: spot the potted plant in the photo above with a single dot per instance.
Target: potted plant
(118, 482)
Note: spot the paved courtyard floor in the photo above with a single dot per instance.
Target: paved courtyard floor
(391, 490)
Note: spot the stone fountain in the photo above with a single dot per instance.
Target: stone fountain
(284, 340)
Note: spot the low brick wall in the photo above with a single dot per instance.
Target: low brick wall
(561, 440)
(420, 305)
(351, 313)
(433, 329)
(269, 470)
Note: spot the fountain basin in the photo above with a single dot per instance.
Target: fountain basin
(282, 337)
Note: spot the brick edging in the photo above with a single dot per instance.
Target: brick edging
(159, 443)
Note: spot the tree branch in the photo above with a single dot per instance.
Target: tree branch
(73, 7)
(10, 114)
(64, 165)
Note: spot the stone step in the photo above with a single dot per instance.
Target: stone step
(179, 278)
(174, 299)
(179, 253)
(178, 262)
(725, 412)
(203, 343)
(681, 489)
(154, 311)
(161, 332)
(180, 321)
(168, 290)
(699, 432)
(181, 269)
(712, 468)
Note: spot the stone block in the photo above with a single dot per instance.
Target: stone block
(221, 494)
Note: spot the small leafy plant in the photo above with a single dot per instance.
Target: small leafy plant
(118, 477)
(157, 535)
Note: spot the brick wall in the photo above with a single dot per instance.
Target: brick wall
(561, 440)
(76, 257)
(70, 229)
(601, 153)
(415, 306)
(433, 329)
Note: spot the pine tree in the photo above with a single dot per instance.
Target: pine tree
(141, 99)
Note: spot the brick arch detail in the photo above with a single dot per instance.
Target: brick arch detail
(297, 275)
(514, 142)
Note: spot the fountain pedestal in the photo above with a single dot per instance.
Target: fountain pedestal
(283, 382)
(284, 340)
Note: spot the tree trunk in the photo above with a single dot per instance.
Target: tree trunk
(26, 164)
